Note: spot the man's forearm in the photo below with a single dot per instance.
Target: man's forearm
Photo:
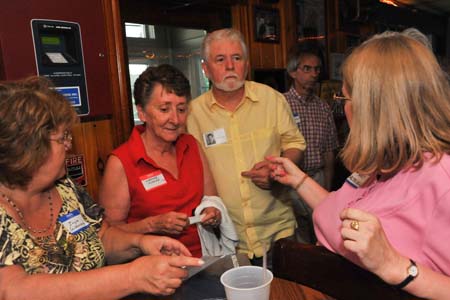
(294, 154)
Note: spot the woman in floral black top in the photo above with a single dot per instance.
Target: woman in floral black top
(48, 225)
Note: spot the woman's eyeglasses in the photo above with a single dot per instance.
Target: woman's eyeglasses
(65, 139)
(340, 97)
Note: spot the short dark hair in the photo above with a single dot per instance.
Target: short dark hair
(301, 49)
(171, 79)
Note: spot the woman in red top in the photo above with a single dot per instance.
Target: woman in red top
(155, 180)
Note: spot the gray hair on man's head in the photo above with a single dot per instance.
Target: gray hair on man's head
(223, 34)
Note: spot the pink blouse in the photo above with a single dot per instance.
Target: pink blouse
(413, 208)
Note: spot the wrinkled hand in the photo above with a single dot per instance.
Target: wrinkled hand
(212, 217)
(162, 245)
(369, 242)
(169, 223)
(159, 275)
(284, 171)
(260, 175)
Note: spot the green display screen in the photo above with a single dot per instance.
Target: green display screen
(50, 40)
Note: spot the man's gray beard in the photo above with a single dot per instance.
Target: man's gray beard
(223, 86)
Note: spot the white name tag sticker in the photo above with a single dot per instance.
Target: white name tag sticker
(356, 180)
(215, 137)
(297, 119)
(153, 180)
(74, 222)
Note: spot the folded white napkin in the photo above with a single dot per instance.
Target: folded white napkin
(211, 246)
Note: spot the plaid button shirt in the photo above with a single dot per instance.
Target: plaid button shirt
(315, 121)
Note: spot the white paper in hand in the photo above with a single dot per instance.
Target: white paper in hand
(209, 260)
(196, 219)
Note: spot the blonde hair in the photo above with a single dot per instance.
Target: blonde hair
(400, 105)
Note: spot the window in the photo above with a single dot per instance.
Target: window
(152, 45)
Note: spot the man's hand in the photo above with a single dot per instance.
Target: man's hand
(260, 175)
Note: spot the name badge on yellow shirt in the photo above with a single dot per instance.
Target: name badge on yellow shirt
(215, 137)
(296, 118)
(153, 180)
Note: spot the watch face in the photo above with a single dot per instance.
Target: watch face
(413, 270)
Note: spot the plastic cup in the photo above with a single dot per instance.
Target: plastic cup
(247, 283)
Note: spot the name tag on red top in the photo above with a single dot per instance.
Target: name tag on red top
(153, 180)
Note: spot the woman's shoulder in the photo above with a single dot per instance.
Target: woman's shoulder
(437, 167)
(187, 138)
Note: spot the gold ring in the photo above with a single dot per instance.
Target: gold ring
(354, 225)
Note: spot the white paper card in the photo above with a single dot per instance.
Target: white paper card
(56, 58)
(196, 219)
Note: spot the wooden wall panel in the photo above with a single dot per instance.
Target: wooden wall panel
(266, 55)
(93, 140)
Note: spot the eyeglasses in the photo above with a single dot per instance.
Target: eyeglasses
(309, 69)
(66, 138)
(340, 97)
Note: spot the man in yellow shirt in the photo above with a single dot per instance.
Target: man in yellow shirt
(248, 121)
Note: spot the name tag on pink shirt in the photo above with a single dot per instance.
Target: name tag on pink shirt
(357, 180)
(153, 180)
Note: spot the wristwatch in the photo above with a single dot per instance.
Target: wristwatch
(413, 272)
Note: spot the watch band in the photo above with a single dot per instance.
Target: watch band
(412, 274)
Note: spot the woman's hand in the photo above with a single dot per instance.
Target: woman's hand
(162, 245)
(168, 223)
(363, 234)
(160, 275)
(285, 171)
(212, 216)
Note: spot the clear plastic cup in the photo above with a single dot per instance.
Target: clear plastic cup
(247, 283)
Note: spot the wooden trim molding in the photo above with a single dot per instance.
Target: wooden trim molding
(121, 117)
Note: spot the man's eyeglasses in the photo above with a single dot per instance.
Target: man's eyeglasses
(66, 138)
(309, 69)
(340, 97)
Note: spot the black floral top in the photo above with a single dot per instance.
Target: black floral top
(62, 251)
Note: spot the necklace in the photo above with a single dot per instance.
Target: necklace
(22, 218)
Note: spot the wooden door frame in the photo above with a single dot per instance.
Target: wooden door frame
(121, 115)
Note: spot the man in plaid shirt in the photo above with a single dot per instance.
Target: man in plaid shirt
(315, 121)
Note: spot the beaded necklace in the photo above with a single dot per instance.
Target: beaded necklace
(22, 218)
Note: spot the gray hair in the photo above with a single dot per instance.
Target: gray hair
(300, 50)
(411, 32)
(418, 36)
(227, 34)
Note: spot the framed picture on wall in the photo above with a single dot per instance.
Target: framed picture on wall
(336, 60)
(267, 24)
(311, 20)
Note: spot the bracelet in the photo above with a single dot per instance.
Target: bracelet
(301, 182)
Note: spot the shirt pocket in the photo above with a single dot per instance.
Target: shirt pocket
(265, 141)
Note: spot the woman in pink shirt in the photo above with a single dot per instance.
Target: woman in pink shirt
(392, 215)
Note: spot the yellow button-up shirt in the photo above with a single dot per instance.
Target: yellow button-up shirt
(261, 125)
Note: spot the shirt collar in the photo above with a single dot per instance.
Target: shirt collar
(301, 98)
(138, 153)
(248, 94)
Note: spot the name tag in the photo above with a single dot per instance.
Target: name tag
(296, 119)
(356, 180)
(153, 180)
(215, 137)
(74, 222)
